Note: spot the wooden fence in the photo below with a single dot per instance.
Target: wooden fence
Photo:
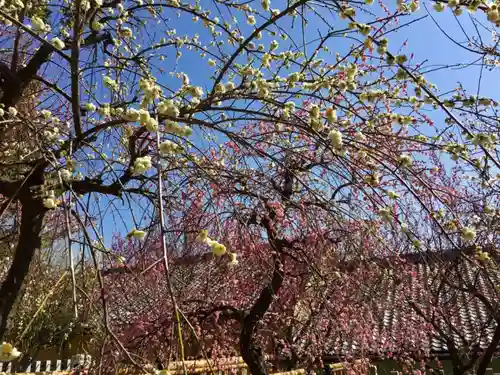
(489, 371)
(40, 366)
(223, 366)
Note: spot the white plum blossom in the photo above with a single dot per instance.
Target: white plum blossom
(132, 114)
(109, 82)
(168, 147)
(336, 138)
(151, 125)
(144, 116)
(218, 249)
(385, 214)
(234, 259)
(405, 160)
(266, 60)
(46, 114)
(468, 234)
(90, 107)
(331, 115)
(220, 88)
(314, 111)
(195, 91)
(8, 352)
(393, 195)
(142, 164)
(168, 108)
(38, 24)
(65, 174)
(18, 4)
(49, 203)
(482, 255)
(12, 111)
(175, 128)
(126, 32)
(104, 110)
(202, 236)
(150, 89)
(58, 43)
(136, 233)
(97, 26)
(404, 228)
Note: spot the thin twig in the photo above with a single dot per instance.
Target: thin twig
(165, 252)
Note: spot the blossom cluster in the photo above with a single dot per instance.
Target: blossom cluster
(8, 352)
(218, 249)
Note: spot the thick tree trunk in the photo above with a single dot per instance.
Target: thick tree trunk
(254, 359)
(32, 214)
(250, 351)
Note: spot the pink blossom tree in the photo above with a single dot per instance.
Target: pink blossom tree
(301, 286)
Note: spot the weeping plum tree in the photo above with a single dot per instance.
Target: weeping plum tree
(290, 123)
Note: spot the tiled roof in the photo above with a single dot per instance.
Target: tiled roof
(140, 299)
(439, 286)
(441, 291)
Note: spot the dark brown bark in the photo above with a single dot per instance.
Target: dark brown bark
(490, 351)
(250, 351)
(15, 83)
(32, 214)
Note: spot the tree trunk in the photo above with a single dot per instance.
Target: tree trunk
(32, 214)
(253, 357)
(25, 361)
(490, 351)
(250, 351)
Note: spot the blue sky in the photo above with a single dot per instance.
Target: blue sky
(426, 41)
(423, 38)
